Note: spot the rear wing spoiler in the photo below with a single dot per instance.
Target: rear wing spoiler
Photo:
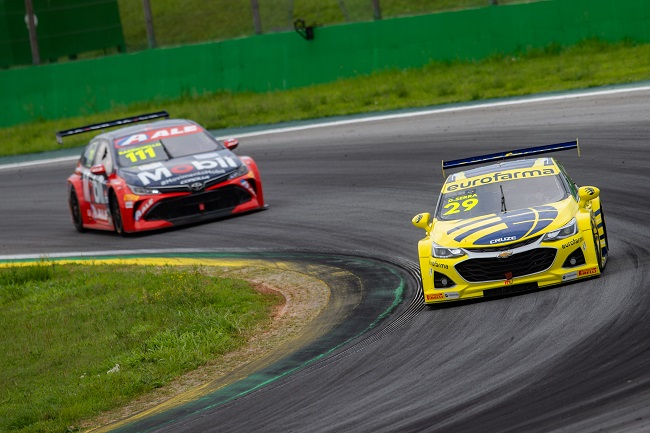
(110, 124)
(474, 160)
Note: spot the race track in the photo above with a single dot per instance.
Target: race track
(570, 359)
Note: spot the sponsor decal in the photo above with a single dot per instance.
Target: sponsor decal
(504, 239)
(585, 272)
(507, 282)
(498, 177)
(128, 204)
(452, 295)
(572, 242)
(167, 176)
(99, 214)
(157, 134)
(143, 209)
(418, 218)
(434, 296)
(584, 246)
(570, 276)
(439, 265)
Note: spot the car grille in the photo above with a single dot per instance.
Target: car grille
(517, 265)
(204, 203)
(497, 248)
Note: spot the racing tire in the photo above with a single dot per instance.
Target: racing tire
(606, 257)
(116, 215)
(597, 249)
(75, 210)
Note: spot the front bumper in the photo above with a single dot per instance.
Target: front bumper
(501, 271)
(152, 212)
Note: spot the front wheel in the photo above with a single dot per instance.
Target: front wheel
(116, 215)
(598, 251)
(604, 249)
(75, 210)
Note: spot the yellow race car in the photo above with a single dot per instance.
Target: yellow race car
(509, 227)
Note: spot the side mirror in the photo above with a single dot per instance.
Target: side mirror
(98, 170)
(230, 143)
(421, 221)
(586, 194)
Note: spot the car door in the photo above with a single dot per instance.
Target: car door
(95, 181)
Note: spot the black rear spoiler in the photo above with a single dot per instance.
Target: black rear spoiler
(473, 160)
(110, 124)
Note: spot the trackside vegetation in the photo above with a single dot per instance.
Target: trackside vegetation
(590, 64)
(77, 340)
(192, 21)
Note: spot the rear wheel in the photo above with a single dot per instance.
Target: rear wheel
(75, 210)
(116, 215)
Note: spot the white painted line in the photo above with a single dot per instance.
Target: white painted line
(479, 105)
(381, 117)
(39, 162)
(128, 253)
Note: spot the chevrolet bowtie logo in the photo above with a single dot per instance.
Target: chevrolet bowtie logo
(504, 255)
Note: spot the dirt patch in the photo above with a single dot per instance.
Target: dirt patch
(304, 299)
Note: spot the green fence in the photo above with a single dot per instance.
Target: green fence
(286, 60)
(63, 28)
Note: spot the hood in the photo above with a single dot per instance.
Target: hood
(176, 172)
(503, 228)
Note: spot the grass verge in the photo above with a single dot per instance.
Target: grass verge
(589, 64)
(77, 340)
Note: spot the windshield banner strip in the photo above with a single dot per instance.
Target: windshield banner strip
(500, 176)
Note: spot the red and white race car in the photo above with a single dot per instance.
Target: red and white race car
(157, 175)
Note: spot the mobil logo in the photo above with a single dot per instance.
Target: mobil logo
(505, 227)
(149, 174)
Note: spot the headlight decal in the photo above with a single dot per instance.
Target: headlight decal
(441, 252)
(566, 231)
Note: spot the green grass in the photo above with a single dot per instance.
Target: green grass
(65, 328)
(190, 21)
(589, 64)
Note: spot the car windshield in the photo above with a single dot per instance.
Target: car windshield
(166, 148)
(498, 197)
(184, 145)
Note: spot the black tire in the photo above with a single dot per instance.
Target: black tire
(116, 215)
(599, 252)
(75, 210)
(602, 217)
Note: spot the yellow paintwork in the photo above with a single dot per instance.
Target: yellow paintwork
(585, 208)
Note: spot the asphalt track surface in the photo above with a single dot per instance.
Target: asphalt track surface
(568, 359)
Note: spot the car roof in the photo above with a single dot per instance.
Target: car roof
(134, 129)
(502, 166)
